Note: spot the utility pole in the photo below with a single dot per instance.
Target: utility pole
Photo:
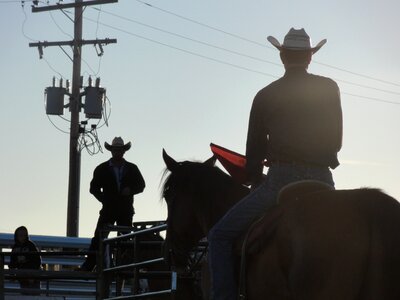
(74, 152)
(75, 101)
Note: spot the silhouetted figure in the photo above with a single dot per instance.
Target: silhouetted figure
(114, 184)
(296, 124)
(19, 260)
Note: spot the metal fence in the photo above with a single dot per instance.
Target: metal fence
(135, 267)
(43, 276)
(102, 281)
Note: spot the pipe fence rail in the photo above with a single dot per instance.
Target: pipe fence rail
(42, 275)
(103, 281)
(105, 272)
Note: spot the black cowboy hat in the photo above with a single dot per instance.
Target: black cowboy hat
(117, 144)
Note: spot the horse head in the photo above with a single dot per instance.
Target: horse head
(185, 211)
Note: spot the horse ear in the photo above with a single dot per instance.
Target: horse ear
(211, 161)
(169, 161)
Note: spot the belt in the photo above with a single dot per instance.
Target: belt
(294, 163)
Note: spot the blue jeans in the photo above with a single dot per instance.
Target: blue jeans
(239, 218)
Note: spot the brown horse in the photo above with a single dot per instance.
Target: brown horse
(318, 243)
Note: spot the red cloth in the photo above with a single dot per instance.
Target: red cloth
(233, 162)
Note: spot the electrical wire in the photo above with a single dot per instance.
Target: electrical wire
(261, 44)
(203, 24)
(182, 50)
(98, 66)
(89, 140)
(371, 98)
(223, 62)
(100, 56)
(59, 27)
(31, 39)
(93, 72)
(52, 68)
(51, 121)
(98, 19)
(58, 128)
(106, 116)
(24, 22)
(12, 1)
(232, 51)
(190, 39)
(88, 65)
(66, 53)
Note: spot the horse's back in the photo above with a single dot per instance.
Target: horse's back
(341, 245)
(382, 280)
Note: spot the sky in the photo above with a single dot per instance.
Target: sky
(176, 82)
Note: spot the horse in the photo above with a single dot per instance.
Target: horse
(316, 243)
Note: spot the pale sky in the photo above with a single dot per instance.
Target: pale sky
(163, 97)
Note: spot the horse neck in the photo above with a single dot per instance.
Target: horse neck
(218, 204)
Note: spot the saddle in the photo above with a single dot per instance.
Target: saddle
(261, 231)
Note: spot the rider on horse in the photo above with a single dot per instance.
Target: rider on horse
(296, 124)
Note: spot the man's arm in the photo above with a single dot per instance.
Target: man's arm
(137, 184)
(337, 109)
(256, 145)
(96, 186)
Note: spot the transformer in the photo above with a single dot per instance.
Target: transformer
(55, 100)
(94, 100)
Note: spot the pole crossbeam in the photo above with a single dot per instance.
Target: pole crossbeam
(72, 43)
(70, 5)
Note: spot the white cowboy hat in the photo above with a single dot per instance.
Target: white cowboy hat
(117, 144)
(296, 39)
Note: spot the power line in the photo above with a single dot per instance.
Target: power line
(220, 61)
(260, 44)
(182, 50)
(190, 39)
(366, 86)
(228, 50)
(203, 24)
(10, 1)
(31, 39)
(23, 24)
(59, 27)
(371, 98)
(357, 74)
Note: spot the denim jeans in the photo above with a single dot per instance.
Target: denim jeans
(239, 218)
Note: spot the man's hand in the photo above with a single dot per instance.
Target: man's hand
(256, 182)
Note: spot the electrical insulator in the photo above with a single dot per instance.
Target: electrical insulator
(94, 101)
(55, 100)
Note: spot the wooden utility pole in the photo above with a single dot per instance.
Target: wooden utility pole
(75, 102)
(75, 107)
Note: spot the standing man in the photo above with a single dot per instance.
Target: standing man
(296, 124)
(114, 184)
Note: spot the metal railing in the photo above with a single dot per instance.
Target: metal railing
(42, 275)
(105, 272)
(98, 285)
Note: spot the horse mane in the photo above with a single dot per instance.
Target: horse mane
(196, 178)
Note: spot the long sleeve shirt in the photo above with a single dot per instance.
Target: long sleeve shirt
(107, 184)
(296, 118)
